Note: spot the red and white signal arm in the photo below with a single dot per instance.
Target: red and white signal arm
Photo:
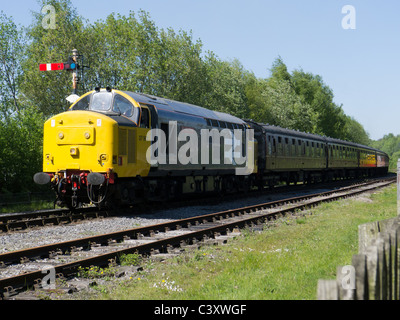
(51, 67)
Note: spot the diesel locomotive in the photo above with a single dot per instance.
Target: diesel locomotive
(101, 152)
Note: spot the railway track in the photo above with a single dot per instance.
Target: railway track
(67, 257)
(25, 220)
(11, 222)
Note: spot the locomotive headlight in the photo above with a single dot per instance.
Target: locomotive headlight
(74, 151)
(87, 135)
(61, 135)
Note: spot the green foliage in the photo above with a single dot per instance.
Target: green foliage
(226, 86)
(96, 272)
(130, 259)
(11, 53)
(21, 149)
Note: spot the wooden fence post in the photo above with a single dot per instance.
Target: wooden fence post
(327, 290)
(362, 287)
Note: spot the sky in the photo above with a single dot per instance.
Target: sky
(355, 52)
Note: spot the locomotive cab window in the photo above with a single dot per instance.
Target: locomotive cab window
(82, 104)
(123, 106)
(101, 101)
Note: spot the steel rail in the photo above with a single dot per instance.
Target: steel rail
(24, 220)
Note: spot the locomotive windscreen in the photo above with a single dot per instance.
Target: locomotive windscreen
(105, 101)
(101, 101)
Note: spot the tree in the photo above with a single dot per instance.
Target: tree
(274, 101)
(11, 53)
(279, 71)
(47, 90)
(355, 132)
(286, 109)
(226, 86)
(313, 91)
(21, 150)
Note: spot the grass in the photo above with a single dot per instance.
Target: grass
(35, 205)
(284, 262)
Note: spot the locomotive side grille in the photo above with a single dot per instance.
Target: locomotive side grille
(131, 146)
(122, 142)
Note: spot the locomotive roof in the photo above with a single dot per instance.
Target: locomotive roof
(182, 107)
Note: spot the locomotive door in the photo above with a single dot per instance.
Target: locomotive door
(142, 145)
(145, 118)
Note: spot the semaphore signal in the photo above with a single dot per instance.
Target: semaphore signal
(51, 66)
(71, 65)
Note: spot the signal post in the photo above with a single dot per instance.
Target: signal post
(73, 66)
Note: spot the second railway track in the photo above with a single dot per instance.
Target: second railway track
(67, 257)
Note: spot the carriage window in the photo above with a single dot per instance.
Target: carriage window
(294, 151)
(280, 147)
(214, 123)
(145, 118)
(123, 106)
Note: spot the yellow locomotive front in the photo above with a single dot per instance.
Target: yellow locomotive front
(84, 149)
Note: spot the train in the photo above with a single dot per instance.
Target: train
(114, 148)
